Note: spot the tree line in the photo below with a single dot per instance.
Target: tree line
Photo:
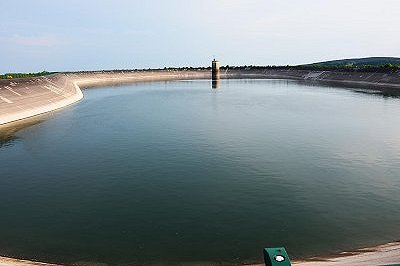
(386, 68)
(322, 67)
(24, 75)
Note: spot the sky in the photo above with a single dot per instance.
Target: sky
(61, 35)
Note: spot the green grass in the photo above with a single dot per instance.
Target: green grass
(24, 75)
(369, 64)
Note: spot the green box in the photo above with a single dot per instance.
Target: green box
(276, 257)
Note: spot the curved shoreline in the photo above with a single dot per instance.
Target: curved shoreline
(386, 254)
(23, 98)
(35, 96)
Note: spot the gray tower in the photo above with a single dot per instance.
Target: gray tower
(215, 70)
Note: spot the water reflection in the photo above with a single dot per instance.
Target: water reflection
(216, 83)
(391, 92)
(7, 140)
(142, 174)
(8, 132)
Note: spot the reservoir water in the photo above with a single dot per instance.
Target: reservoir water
(175, 173)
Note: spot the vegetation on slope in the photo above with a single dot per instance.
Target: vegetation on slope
(372, 61)
(369, 64)
(24, 75)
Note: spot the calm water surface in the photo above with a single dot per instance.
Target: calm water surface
(178, 172)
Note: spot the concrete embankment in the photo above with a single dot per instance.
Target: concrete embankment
(388, 254)
(386, 84)
(23, 98)
(376, 80)
(4, 261)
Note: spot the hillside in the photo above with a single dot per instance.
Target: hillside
(370, 61)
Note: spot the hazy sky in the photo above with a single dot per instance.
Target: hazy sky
(59, 35)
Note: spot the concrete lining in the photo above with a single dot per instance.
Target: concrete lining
(23, 98)
(387, 254)
(34, 96)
